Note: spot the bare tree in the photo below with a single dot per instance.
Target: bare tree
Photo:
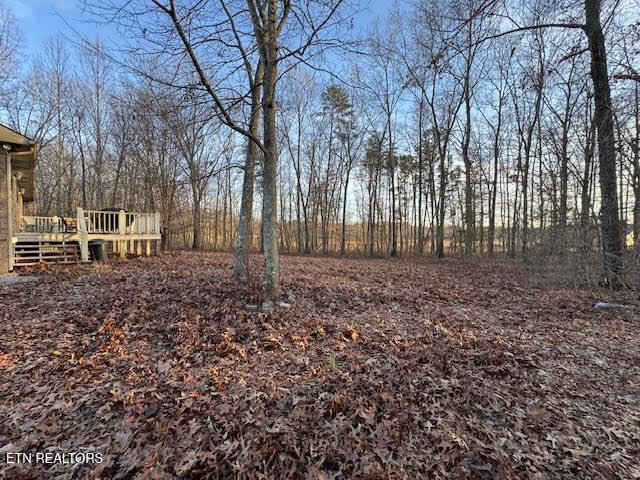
(10, 41)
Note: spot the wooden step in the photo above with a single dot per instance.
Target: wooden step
(33, 253)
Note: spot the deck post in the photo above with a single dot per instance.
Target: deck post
(84, 236)
(147, 248)
(122, 222)
(156, 231)
(122, 229)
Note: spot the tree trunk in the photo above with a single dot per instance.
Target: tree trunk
(441, 208)
(564, 183)
(392, 174)
(420, 233)
(527, 164)
(271, 282)
(343, 239)
(197, 220)
(636, 171)
(245, 222)
(585, 194)
(603, 117)
(469, 214)
(494, 183)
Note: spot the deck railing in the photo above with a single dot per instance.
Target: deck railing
(121, 222)
(55, 224)
(98, 221)
(128, 232)
(118, 222)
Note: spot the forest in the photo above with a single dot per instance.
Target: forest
(396, 240)
(439, 128)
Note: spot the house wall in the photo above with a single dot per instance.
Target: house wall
(5, 219)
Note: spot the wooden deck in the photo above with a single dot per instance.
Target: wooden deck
(64, 239)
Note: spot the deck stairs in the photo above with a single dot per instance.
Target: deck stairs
(36, 252)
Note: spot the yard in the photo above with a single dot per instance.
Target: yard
(379, 369)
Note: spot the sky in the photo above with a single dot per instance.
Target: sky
(43, 19)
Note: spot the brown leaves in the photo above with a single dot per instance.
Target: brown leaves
(229, 347)
(114, 337)
(351, 333)
(384, 369)
(538, 414)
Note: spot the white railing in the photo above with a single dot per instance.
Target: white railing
(118, 222)
(142, 223)
(55, 224)
(99, 221)
(121, 222)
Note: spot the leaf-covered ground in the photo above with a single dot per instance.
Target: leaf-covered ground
(380, 369)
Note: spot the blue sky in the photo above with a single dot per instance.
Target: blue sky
(43, 19)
